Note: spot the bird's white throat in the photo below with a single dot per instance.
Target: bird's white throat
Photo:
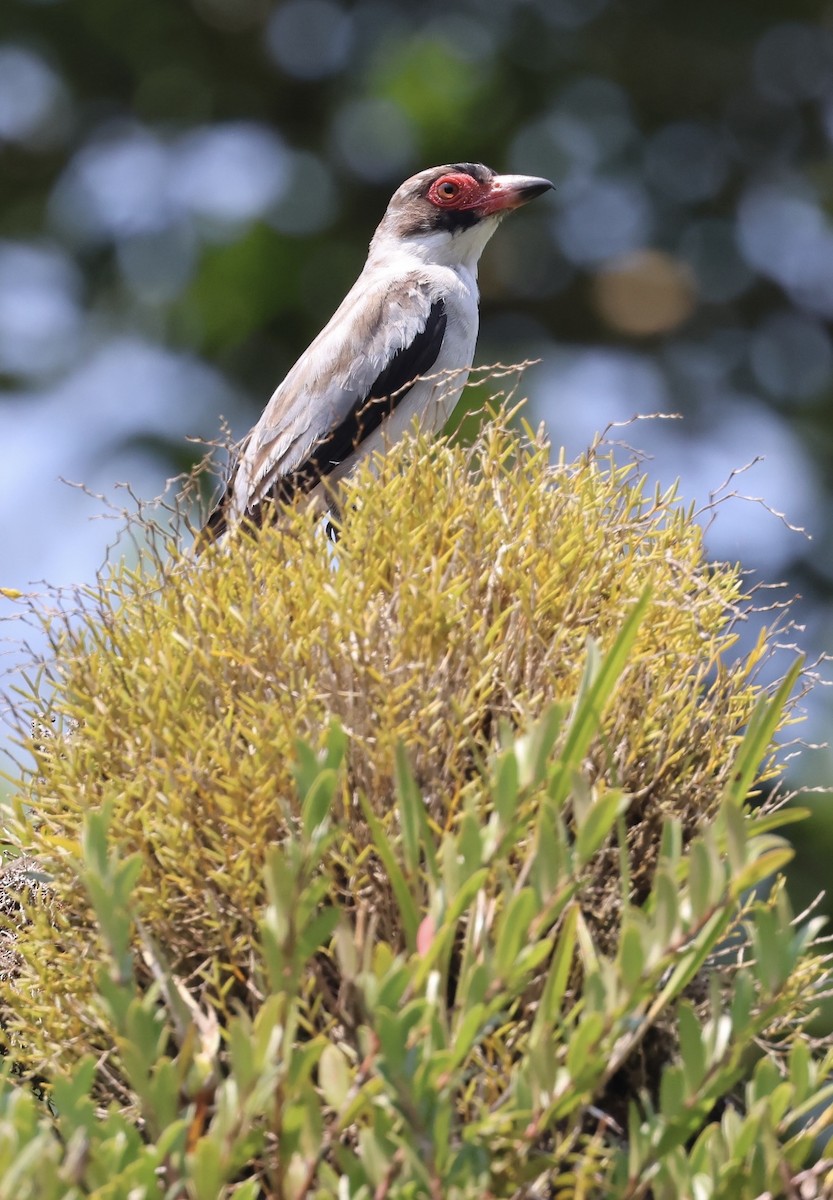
(440, 248)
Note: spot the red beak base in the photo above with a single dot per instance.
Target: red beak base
(511, 191)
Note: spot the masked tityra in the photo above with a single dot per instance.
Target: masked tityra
(400, 345)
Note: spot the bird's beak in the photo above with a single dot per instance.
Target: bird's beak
(511, 191)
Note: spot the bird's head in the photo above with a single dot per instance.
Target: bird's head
(447, 214)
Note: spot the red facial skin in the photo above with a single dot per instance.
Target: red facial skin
(462, 192)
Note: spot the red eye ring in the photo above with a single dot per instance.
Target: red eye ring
(454, 191)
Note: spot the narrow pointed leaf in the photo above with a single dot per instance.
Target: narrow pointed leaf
(758, 737)
(549, 1007)
(595, 694)
(407, 906)
(600, 819)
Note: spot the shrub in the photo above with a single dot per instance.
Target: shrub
(423, 866)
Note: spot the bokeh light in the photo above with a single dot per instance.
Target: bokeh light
(792, 356)
(309, 38)
(114, 186)
(41, 319)
(374, 139)
(603, 218)
(711, 250)
(229, 175)
(687, 161)
(32, 99)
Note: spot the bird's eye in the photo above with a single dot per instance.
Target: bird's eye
(452, 191)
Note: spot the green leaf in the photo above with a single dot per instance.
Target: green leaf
(241, 1048)
(316, 804)
(666, 909)
(671, 843)
(534, 748)
(548, 1015)
(374, 1155)
(465, 1032)
(773, 945)
(514, 930)
(761, 868)
(700, 879)
(672, 1093)
(334, 1076)
(506, 785)
(408, 910)
(317, 933)
(336, 746)
(583, 1051)
(692, 1049)
(393, 1029)
(446, 929)
(468, 846)
(417, 839)
(529, 959)
(595, 693)
(631, 957)
(94, 839)
(393, 987)
(759, 733)
(306, 766)
(742, 1001)
(732, 819)
(475, 982)
(551, 869)
(765, 822)
(600, 819)
(303, 1062)
(691, 960)
(71, 1096)
(205, 1169)
(250, 1190)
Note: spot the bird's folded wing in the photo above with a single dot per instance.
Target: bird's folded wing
(377, 344)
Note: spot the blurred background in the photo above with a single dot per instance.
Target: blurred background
(187, 191)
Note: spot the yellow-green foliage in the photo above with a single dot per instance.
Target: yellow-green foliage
(460, 600)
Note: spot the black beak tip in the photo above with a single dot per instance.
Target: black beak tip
(536, 187)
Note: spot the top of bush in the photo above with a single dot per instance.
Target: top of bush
(476, 596)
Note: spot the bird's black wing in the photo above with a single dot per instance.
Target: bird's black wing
(355, 373)
(388, 390)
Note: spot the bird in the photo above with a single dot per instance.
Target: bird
(398, 348)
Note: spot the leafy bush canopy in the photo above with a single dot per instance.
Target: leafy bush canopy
(417, 866)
